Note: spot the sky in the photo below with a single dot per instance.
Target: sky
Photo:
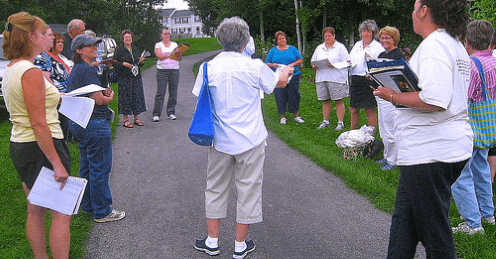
(178, 4)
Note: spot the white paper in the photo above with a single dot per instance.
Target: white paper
(279, 72)
(91, 88)
(46, 192)
(320, 63)
(77, 109)
(342, 64)
(145, 53)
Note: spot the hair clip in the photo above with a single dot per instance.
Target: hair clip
(9, 26)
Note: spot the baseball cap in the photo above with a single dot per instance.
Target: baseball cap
(83, 40)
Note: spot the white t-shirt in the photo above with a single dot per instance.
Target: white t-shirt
(443, 69)
(357, 56)
(167, 63)
(336, 53)
(234, 81)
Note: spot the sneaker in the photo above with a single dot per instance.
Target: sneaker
(340, 126)
(382, 161)
(387, 167)
(113, 216)
(250, 246)
(156, 118)
(465, 228)
(299, 119)
(283, 121)
(490, 220)
(201, 246)
(172, 117)
(324, 125)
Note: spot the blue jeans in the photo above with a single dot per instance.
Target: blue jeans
(164, 77)
(473, 192)
(95, 146)
(289, 96)
(421, 212)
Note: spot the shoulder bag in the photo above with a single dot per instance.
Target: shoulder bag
(201, 131)
(482, 116)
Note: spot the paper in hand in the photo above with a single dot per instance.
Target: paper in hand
(145, 54)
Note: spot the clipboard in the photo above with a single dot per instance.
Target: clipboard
(183, 47)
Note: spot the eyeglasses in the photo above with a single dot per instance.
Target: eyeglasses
(166, 33)
(386, 38)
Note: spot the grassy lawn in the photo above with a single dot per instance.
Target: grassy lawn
(363, 176)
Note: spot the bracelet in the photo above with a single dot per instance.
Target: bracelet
(391, 98)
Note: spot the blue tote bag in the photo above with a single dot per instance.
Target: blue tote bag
(201, 131)
(483, 116)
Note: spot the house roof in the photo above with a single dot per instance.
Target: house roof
(60, 28)
(182, 13)
(166, 12)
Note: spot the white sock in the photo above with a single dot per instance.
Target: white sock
(239, 246)
(327, 122)
(340, 122)
(212, 242)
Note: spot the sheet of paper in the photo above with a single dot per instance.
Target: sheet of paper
(320, 63)
(46, 192)
(145, 53)
(77, 109)
(279, 71)
(342, 64)
(85, 90)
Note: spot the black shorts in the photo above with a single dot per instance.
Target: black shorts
(28, 159)
(361, 95)
(492, 151)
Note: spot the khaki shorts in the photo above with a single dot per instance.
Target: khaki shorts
(332, 91)
(246, 171)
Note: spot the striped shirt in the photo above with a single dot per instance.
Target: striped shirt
(488, 62)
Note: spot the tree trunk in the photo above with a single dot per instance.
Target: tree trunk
(262, 35)
(304, 33)
(298, 34)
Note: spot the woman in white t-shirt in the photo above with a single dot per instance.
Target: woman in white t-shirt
(433, 135)
(167, 74)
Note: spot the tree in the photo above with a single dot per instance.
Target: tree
(484, 9)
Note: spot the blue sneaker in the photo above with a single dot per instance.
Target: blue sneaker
(381, 161)
(201, 246)
(250, 246)
(387, 167)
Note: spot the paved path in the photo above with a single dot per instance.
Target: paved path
(158, 178)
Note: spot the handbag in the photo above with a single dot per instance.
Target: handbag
(201, 131)
(114, 77)
(482, 117)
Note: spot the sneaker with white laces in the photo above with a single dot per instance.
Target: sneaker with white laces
(250, 246)
(283, 121)
(113, 216)
(201, 246)
(340, 126)
(299, 119)
(465, 228)
(324, 125)
(172, 117)
(156, 118)
(490, 220)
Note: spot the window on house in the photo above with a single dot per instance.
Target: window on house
(177, 20)
(185, 20)
(197, 19)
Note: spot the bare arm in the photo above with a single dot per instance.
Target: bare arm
(34, 96)
(411, 99)
(283, 78)
(160, 55)
(296, 63)
(101, 98)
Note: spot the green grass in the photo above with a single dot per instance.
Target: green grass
(199, 45)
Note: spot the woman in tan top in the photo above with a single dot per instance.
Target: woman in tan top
(37, 138)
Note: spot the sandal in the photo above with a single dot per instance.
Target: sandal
(127, 124)
(138, 122)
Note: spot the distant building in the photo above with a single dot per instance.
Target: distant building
(182, 23)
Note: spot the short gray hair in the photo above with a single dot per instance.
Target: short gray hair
(91, 33)
(369, 25)
(74, 24)
(233, 33)
(479, 34)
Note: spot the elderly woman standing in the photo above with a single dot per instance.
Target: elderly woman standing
(238, 152)
(131, 95)
(37, 139)
(433, 135)
(288, 97)
(389, 37)
(332, 83)
(95, 141)
(360, 92)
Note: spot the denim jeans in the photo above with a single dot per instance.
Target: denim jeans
(95, 146)
(164, 77)
(289, 96)
(421, 212)
(473, 192)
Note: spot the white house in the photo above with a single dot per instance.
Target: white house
(182, 23)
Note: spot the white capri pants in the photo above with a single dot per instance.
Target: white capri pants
(246, 171)
(387, 117)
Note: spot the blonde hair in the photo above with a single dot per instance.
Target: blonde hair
(391, 31)
(16, 42)
(279, 33)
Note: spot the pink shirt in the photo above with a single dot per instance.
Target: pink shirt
(489, 67)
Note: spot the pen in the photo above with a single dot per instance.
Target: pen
(375, 89)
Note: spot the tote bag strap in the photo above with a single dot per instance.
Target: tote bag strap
(481, 73)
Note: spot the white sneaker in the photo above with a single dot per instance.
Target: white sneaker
(156, 118)
(490, 220)
(283, 121)
(323, 125)
(113, 216)
(299, 119)
(340, 126)
(465, 228)
(172, 117)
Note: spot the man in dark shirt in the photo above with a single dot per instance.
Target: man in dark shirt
(74, 28)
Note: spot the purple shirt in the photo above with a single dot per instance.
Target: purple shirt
(488, 62)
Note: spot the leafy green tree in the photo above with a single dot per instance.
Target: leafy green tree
(484, 9)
